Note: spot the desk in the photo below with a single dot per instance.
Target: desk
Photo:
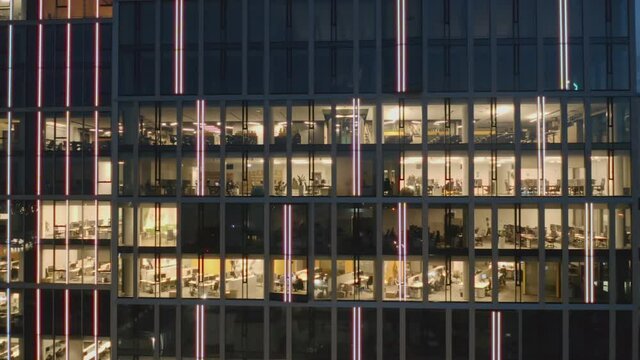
(415, 289)
(481, 288)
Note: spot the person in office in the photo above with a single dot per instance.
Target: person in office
(502, 275)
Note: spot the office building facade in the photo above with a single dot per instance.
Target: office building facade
(319, 179)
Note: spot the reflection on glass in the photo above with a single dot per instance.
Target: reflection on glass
(575, 122)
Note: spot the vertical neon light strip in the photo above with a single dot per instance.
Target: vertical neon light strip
(38, 185)
(541, 129)
(200, 143)
(199, 332)
(96, 150)
(286, 250)
(178, 47)
(355, 149)
(588, 255)
(356, 336)
(67, 180)
(9, 135)
(401, 47)
(402, 251)
(496, 335)
(563, 44)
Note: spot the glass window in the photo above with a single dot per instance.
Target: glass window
(244, 125)
(447, 279)
(297, 278)
(541, 181)
(600, 274)
(402, 174)
(482, 280)
(402, 123)
(322, 283)
(493, 122)
(553, 234)
(311, 175)
(278, 169)
(623, 227)
(311, 124)
(244, 175)
(447, 123)
(576, 173)
(447, 227)
(355, 279)
(447, 174)
(575, 122)
(157, 276)
(518, 280)
(345, 122)
(403, 279)
(244, 278)
(610, 120)
(610, 173)
(494, 173)
(200, 276)
(157, 224)
(391, 229)
(482, 232)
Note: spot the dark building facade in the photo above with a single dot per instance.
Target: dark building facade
(319, 179)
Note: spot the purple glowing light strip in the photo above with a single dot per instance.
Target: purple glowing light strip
(563, 44)
(496, 335)
(588, 254)
(402, 251)
(355, 149)
(178, 47)
(286, 234)
(356, 336)
(401, 46)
